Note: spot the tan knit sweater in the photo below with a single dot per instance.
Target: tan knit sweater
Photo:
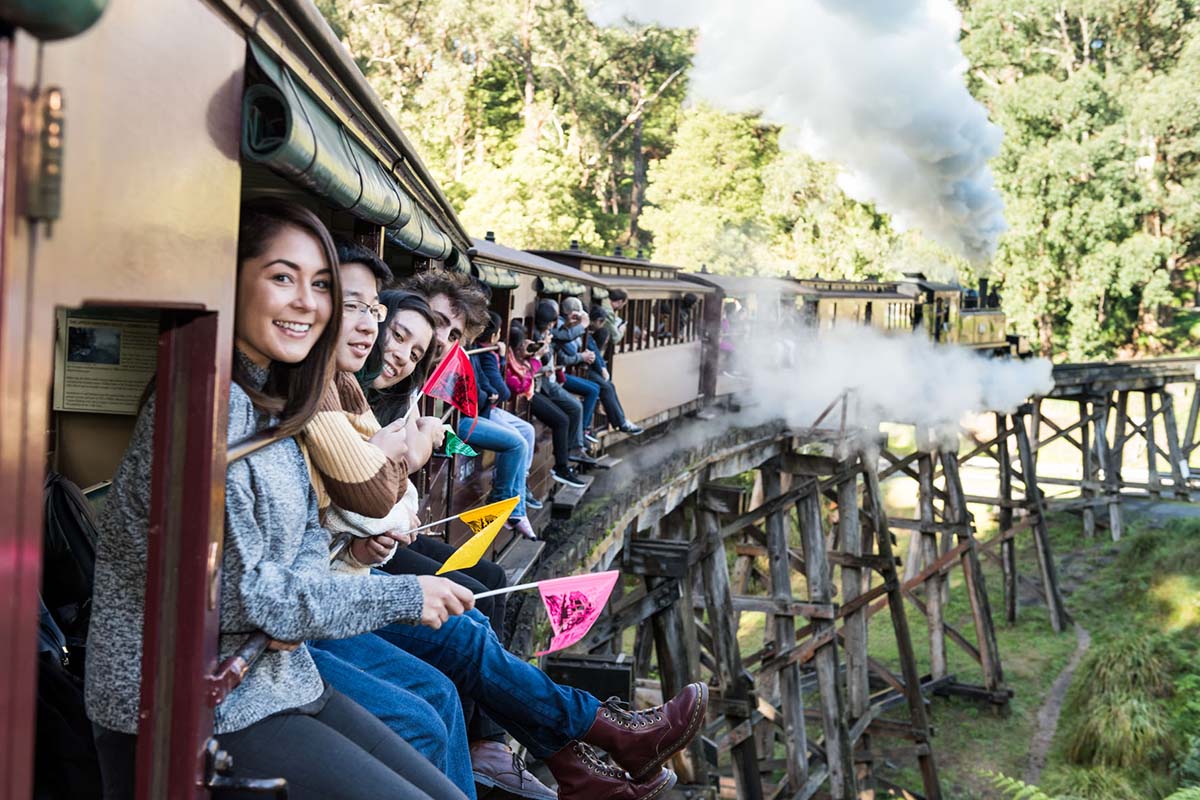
(346, 469)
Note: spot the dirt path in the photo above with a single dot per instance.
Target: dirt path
(1047, 718)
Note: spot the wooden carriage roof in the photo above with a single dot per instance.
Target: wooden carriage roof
(742, 285)
(526, 261)
(296, 33)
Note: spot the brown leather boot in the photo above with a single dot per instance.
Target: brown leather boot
(583, 775)
(497, 767)
(640, 742)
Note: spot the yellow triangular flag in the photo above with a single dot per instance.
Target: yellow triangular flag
(486, 522)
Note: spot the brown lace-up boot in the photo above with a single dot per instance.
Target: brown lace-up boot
(640, 742)
(583, 775)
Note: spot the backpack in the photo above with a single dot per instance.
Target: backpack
(69, 557)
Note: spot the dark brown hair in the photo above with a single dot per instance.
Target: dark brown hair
(292, 391)
(460, 289)
(392, 403)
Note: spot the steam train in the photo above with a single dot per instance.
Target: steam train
(132, 134)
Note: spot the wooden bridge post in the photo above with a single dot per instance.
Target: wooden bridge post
(929, 551)
(1112, 460)
(1008, 545)
(1087, 419)
(981, 607)
(1174, 451)
(857, 665)
(675, 649)
(1153, 481)
(1189, 437)
(1041, 536)
(791, 698)
(736, 687)
(918, 721)
(839, 756)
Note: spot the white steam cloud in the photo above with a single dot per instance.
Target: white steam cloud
(875, 86)
(897, 378)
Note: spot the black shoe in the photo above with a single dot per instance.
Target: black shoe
(568, 477)
(580, 457)
(632, 430)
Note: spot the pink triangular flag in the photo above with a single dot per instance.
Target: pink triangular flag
(574, 604)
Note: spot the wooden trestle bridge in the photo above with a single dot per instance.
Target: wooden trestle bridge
(812, 549)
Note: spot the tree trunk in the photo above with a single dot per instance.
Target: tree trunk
(637, 193)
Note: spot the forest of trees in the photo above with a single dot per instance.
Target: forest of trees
(543, 127)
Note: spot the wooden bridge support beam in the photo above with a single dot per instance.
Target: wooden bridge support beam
(790, 695)
(838, 749)
(736, 686)
(981, 609)
(1059, 619)
(918, 720)
(1174, 451)
(1008, 544)
(934, 594)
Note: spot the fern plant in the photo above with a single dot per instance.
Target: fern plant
(1013, 789)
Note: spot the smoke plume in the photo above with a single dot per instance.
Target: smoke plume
(896, 378)
(875, 86)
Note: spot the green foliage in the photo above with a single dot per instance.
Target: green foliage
(1013, 789)
(1091, 783)
(1116, 704)
(1098, 168)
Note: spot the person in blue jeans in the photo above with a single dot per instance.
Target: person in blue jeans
(406, 694)
(511, 460)
(493, 391)
(568, 341)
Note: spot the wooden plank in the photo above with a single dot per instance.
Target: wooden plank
(1151, 445)
(770, 506)
(1033, 499)
(873, 497)
(1112, 471)
(519, 558)
(839, 749)
(770, 605)
(858, 693)
(728, 660)
(1176, 456)
(1008, 545)
(792, 701)
(981, 609)
(929, 554)
(1086, 420)
(566, 498)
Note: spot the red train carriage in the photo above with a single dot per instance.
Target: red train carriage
(127, 151)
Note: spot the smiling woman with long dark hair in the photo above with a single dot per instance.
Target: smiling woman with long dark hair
(281, 721)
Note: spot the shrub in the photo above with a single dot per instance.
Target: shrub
(1092, 783)
(1121, 730)
(1134, 664)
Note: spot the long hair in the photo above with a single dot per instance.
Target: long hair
(292, 391)
(392, 403)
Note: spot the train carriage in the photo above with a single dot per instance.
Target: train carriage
(128, 149)
(657, 366)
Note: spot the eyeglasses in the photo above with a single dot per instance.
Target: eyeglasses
(378, 312)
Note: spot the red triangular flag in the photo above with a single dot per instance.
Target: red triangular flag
(574, 604)
(454, 382)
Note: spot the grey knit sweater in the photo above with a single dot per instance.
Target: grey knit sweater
(275, 578)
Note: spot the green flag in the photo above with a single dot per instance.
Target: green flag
(456, 446)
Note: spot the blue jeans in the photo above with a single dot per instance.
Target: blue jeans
(541, 714)
(409, 696)
(509, 446)
(522, 427)
(589, 394)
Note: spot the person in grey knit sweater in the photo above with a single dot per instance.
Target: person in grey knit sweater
(282, 720)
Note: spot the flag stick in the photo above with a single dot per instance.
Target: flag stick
(412, 408)
(505, 590)
(449, 411)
